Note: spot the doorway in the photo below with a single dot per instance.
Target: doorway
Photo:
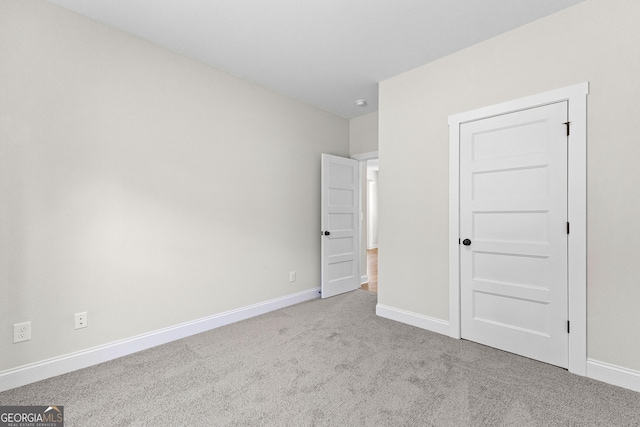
(575, 98)
(369, 169)
(371, 215)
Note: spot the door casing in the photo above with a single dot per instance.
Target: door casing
(576, 96)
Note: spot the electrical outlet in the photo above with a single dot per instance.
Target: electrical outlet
(81, 320)
(21, 332)
(292, 276)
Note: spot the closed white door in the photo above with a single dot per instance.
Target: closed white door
(340, 225)
(513, 230)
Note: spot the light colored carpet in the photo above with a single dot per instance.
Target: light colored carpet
(328, 363)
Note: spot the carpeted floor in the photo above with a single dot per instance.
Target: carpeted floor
(328, 363)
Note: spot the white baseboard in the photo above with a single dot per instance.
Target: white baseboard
(364, 279)
(612, 374)
(38, 371)
(414, 319)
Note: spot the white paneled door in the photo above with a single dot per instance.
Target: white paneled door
(513, 230)
(340, 225)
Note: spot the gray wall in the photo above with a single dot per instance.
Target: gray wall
(596, 41)
(143, 187)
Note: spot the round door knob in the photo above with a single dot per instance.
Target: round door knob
(326, 233)
(466, 242)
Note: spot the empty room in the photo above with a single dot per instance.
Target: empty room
(186, 212)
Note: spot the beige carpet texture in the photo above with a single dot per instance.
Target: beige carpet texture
(328, 362)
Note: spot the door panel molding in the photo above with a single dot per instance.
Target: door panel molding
(576, 97)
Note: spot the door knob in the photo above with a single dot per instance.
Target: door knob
(326, 233)
(466, 242)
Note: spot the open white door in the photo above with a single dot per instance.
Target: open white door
(340, 225)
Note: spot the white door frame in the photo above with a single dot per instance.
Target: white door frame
(576, 96)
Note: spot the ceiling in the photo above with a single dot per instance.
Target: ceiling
(327, 53)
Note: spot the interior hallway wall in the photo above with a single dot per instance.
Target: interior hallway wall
(363, 134)
(143, 187)
(596, 41)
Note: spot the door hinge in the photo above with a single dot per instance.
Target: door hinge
(568, 124)
(568, 228)
(568, 327)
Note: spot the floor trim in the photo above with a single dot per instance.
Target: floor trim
(414, 319)
(612, 374)
(38, 371)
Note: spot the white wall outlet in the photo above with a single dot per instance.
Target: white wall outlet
(21, 332)
(81, 320)
(292, 276)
